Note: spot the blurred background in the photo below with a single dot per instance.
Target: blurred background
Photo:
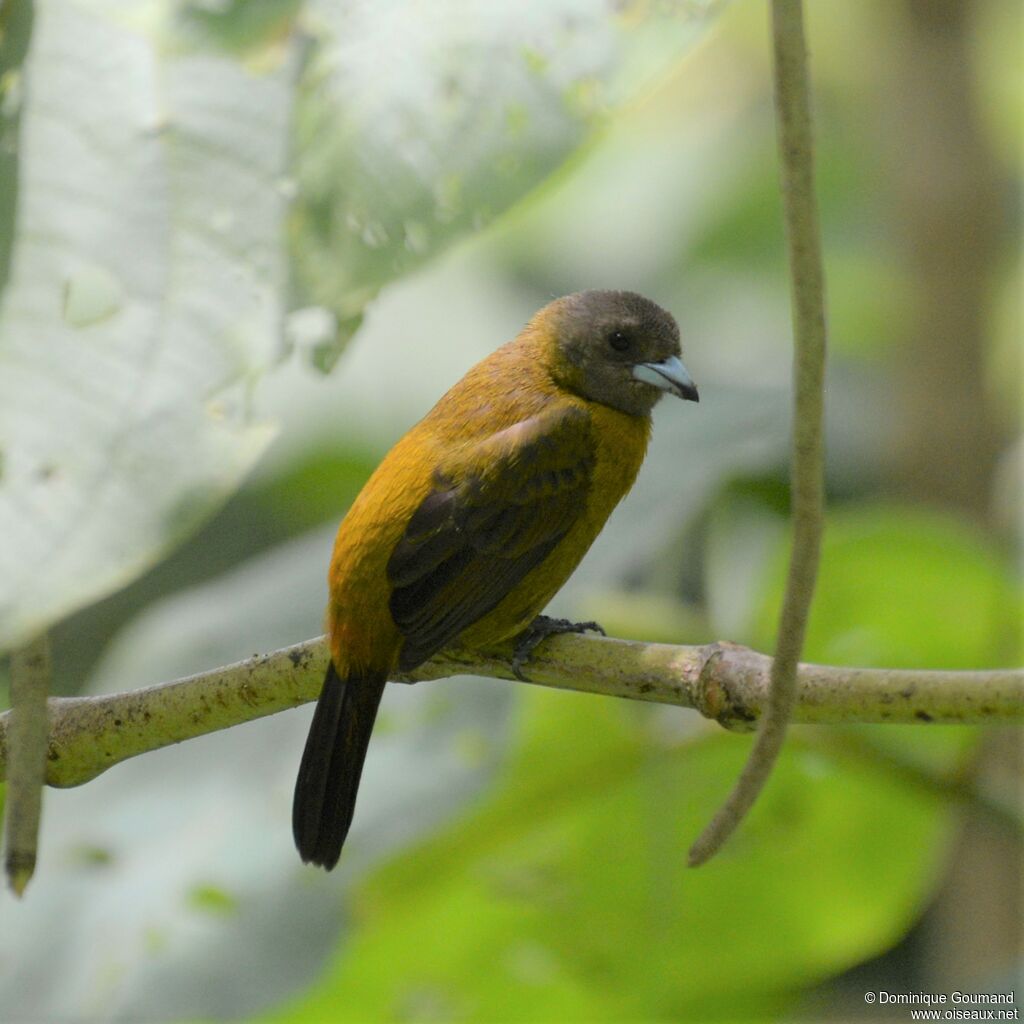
(436, 175)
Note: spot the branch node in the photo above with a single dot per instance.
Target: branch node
(714, 698)
(725, 682)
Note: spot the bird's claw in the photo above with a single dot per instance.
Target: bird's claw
(540, 629)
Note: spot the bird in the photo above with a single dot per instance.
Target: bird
(476, 518)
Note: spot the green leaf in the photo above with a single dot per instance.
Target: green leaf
(567, 896)
(904, 588)
(144, 298)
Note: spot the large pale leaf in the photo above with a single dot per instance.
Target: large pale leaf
(146, 271)
(143, 297)
(420, 122)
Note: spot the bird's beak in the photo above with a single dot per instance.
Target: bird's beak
(669, 375)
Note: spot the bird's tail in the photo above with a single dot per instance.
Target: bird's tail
(325, 791)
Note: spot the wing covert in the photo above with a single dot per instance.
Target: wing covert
(494, 513)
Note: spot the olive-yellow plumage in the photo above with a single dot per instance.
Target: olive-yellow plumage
(478, 515)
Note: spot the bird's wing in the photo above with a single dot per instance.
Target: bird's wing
(494, 513)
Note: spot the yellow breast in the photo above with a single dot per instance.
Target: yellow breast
(621, 443)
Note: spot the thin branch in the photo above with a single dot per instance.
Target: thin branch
(28, 728)
(796, 150)
(724, 682)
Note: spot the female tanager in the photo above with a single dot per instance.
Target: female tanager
(478, 515)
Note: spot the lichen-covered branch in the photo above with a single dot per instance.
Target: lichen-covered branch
(724, 682)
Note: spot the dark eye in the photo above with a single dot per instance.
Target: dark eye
(619, 341)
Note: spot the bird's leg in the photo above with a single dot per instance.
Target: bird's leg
(540, 629)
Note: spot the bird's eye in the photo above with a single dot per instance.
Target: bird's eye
(619, 341)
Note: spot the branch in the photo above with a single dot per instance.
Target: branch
(724, 682)
(796, 152)
(30, 684)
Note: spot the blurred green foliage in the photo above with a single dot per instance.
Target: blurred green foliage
(567, 895)
(905, 588)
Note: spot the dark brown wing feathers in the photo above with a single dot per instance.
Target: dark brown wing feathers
(494, 514)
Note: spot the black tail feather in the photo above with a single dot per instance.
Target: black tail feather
(325, 791)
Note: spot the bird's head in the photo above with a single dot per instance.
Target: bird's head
(616, 348)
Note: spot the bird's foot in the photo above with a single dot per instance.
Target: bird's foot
(540, 629)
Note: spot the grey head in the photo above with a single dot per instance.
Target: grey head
(616, 348)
